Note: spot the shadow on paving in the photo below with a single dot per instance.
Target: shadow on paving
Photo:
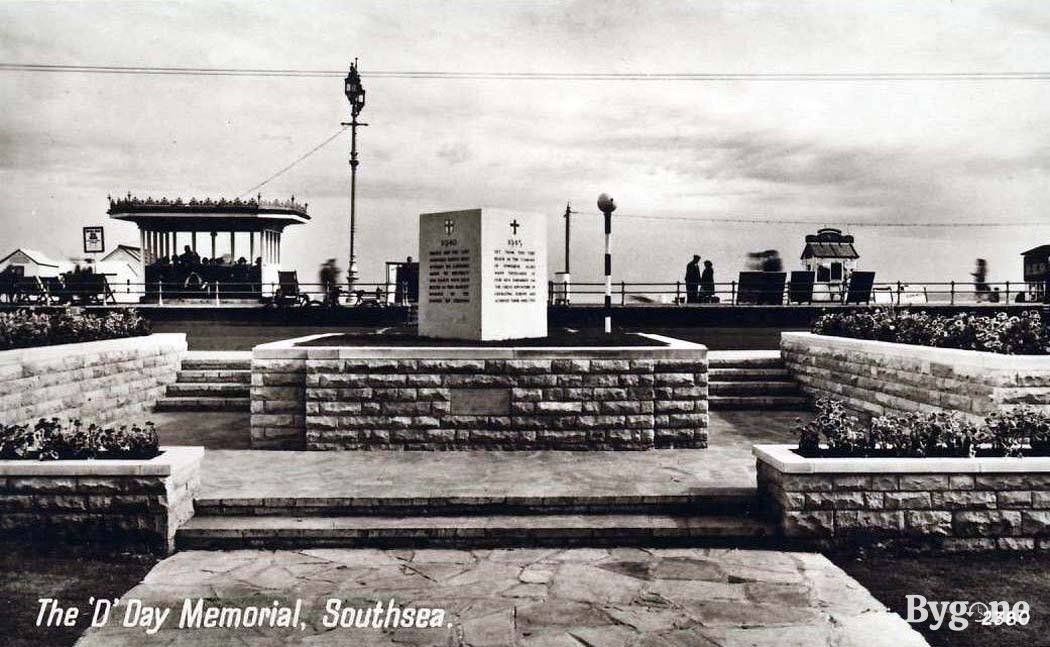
(71, 575)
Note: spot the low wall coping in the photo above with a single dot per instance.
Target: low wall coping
(170, 461)
(982, 359)
(289, 349)
(787, 461)
(56, 351)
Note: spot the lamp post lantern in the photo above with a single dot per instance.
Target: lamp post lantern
(355, 94)
(607, 206)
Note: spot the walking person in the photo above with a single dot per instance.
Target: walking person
(329, 277)
(707, 284)
(980, 280)
(692, 280)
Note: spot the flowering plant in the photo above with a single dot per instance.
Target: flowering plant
(1020, 334)
(50, 439)
(26, 328)
(836, 432)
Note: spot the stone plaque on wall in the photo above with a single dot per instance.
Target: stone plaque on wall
(482, 275)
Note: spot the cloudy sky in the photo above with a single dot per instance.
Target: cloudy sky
(675, 154)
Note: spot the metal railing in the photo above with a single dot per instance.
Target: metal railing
(39, 291)
(30, 291)
(730, 293)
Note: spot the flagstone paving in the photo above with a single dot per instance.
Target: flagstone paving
(727, 463)
(620, 597)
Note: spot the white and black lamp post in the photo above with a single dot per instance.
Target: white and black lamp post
(607, 206)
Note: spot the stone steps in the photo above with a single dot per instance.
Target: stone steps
(218, 360)
(210, 381)
(724, 501)
(202, 404)
(752, 380)
(208, 390)
(226, 532)
(213, 376)
(744, 359)
(748, 374)
(760, 388)
(763, 402)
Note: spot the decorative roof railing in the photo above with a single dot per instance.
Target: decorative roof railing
(130, 203)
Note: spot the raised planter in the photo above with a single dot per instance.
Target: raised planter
(956, 504)
(98, 381)
(631, 397)
(132, 503)
(883, 377)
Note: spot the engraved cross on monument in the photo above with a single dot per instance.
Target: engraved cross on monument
(482, 275)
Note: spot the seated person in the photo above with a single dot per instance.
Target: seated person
(189, 257)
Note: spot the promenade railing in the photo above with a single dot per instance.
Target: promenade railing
(903, 293)
(94, 291)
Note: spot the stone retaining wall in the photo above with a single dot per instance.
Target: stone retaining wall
(135, 504)
(99, 381)
(882, 377)
(319, 397)
(965, 504)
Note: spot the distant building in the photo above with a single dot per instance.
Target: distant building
(831, 256)
(29, 262)
(168, 227)
(123, 270)
(1037, 271)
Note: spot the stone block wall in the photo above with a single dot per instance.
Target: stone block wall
(882, 377)
(278, 400)
(493, 398)
(952, 511)
(100, 381)
(134, 504)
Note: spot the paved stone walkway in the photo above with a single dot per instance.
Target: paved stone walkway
(727, 463)
(526, 597)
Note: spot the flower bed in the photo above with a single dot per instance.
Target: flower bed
(835, 432)
(934, 480)
(133, 503)
(1023, 334)
(51, 439)
(26, 329)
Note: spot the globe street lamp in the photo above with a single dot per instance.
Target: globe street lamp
(607, 206)
(355, 94)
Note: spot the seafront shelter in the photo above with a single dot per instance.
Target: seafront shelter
(209, 248)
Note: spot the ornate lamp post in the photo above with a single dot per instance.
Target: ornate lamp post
(607, 205)
(355, 94)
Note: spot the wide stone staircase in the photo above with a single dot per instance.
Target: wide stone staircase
(210, 381)
(752, 380)
(712, 517)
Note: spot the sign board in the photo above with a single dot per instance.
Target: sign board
(482, 275)
(94, 240)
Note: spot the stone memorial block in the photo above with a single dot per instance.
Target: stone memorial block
(482, 275)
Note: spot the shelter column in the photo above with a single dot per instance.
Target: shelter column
(213, 235)
(233, 247)
(251, 246)
(193, 241)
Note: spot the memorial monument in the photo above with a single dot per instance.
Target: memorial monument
(482, 279)
(483, 275)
